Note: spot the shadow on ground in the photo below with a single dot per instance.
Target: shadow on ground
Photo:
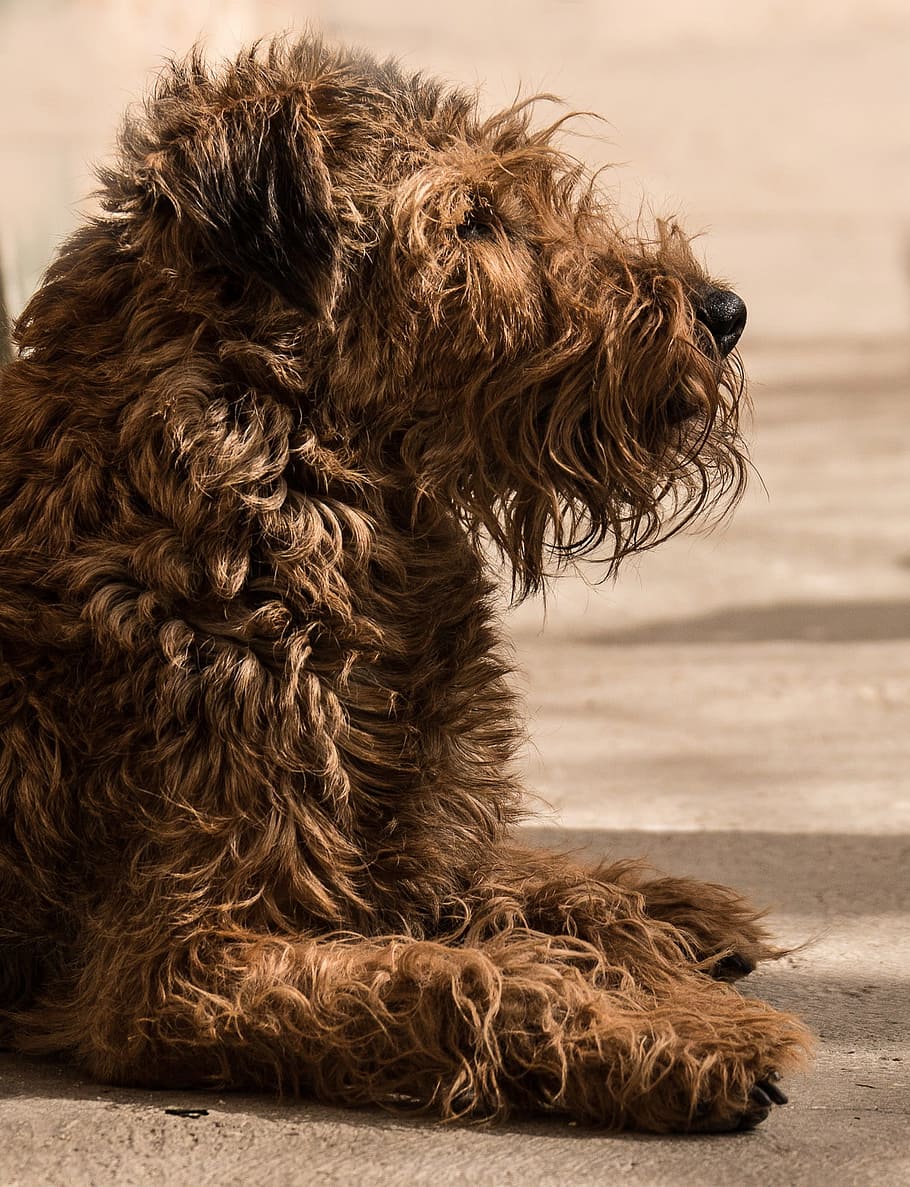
(810, 874)
(808, 622)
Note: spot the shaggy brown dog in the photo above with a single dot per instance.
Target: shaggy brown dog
(333, 333)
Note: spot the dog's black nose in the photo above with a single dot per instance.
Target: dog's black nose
(724, 315)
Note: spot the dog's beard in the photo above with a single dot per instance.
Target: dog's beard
(572, 473)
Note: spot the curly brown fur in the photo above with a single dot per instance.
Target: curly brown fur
(333, 332)
(6, 347)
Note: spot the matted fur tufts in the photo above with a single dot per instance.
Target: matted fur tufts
(333, 332)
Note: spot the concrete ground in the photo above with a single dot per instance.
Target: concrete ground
(738, 706)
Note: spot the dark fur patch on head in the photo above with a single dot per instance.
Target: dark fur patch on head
(237, 164)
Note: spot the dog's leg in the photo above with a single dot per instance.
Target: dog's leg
(723, 928)
(524, 1022)
(710, 925)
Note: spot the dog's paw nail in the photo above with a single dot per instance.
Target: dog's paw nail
(769, 1090)
(732, 967)
(760, 1097)
(753, 1117)
(763, 1096)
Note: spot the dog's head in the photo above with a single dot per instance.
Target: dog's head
(474, 319)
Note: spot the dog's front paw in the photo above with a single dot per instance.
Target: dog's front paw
(704, 1060)
(764, 1096)
(722, 932)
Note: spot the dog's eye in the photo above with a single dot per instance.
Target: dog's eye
(477, 224)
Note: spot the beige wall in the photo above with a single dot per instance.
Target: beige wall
(782, 129)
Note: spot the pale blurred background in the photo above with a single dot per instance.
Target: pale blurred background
(782, 129)
(779, 130)
(737, 706)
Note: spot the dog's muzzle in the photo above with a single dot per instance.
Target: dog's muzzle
(723, 314)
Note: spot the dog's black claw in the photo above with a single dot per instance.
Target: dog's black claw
(732, 967)
(754, 1115)
(760, 1097)
(768, 1088)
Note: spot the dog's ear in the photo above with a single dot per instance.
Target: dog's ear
(252, 180)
